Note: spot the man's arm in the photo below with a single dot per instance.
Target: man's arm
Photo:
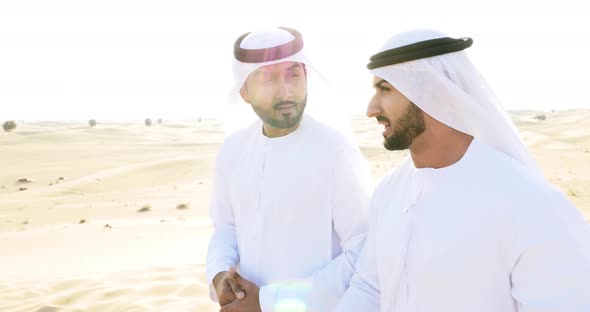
(364, 293)
(551, 277)
(553, 271)
(222, 253)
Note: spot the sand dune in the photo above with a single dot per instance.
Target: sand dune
(136, 265)
(154, 260)
(155, 289)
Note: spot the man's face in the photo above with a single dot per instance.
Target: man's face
(402, 120)
(277, 93)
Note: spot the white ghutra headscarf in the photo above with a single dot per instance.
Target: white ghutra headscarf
(271, 46)
(450, 89)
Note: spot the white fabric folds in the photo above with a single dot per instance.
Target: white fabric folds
(450, 89)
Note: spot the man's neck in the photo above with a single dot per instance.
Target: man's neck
(439, 151)
(273, 132)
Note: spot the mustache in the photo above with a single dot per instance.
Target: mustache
(276, 105)
(383, 118)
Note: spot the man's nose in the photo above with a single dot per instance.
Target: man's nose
(284, 89)
(373, 108)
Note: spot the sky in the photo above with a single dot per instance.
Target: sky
(132, 59)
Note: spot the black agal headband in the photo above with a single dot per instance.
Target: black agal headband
(419, 50)
(268, 54)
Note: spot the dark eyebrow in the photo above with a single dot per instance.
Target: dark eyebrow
(379, 83)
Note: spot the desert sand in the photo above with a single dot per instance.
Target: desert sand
(115, 217)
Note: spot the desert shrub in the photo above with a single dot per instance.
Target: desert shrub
(9, 125)
(145, 208)
(182, 206)
(540, 117)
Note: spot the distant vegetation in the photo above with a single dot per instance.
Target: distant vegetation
(160, 121)
(9, 125)
(145, 208)
(92, 122)
(148, 122)
(540, 117)
(182, 207)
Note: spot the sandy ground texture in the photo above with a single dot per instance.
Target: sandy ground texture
(115, 217)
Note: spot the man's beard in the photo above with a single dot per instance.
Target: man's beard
(289, 120)
(407, 128)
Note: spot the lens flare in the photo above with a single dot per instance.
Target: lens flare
(290, 305)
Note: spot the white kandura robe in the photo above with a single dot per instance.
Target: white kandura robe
(291, 208)
(480, 235)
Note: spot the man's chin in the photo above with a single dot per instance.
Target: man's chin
(288, 121)
(387, 147)
(284, 124)
(393, 144)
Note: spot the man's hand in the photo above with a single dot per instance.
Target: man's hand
(250, 302)
(227, 290)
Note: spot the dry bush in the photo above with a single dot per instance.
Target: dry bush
(9, 125)
(540, 117)
(148, 122)
(92, 122)
(182, 207)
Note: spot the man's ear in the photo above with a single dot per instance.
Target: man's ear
(244, 93)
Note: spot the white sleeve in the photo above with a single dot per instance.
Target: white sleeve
(223, 247)
(321, 291)
(364, 293)
(553, 271)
